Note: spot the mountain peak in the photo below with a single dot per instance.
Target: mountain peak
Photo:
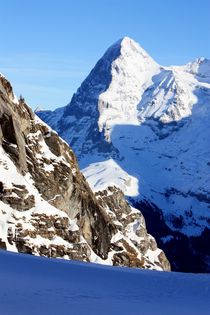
(200, 67)
(129, 42)
(126, 46)
(122, 74)
(200, 61)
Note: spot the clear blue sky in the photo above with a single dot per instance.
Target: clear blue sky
(49, 46)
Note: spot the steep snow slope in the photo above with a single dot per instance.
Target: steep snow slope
(40, 286)
(132, 118)
(131, 74)
(98, 174)
(109, 95)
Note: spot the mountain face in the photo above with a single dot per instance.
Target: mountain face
(145, 129)
(46, 206)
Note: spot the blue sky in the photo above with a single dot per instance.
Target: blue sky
(49, 46)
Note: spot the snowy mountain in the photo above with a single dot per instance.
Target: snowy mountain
(48, 286)
(46, 206)
(145, 129)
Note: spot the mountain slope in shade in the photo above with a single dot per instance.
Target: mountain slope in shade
(137, 120)
(46, 206)
(46, 286)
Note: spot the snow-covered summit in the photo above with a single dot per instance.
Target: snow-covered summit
(201, 68)
(127, 87)
(169, 98)
(108, 96)
(128, 46)
(131, 74)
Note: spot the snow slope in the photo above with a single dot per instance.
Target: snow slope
(32, 285)
(99, 174)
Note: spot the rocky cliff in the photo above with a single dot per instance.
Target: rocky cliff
(46, 206)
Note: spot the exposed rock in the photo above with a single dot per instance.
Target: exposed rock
(134, 246)
(2, 245)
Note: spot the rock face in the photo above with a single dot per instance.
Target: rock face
(145, 129)
(132, 245)
(46, 206)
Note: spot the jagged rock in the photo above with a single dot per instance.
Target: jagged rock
(134, 246)
(2, 245)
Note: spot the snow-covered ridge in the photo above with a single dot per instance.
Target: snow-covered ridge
(131, 73)
(199, 67)
(169, 99)
(121, 84)
(109, 173)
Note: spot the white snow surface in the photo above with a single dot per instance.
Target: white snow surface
(100, 175)
(131, 73)
(35, 285)
(201, 68)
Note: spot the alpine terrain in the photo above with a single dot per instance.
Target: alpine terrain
(46, 206)
(144, 128)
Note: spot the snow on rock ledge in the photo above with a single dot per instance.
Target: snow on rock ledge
(100, 175)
